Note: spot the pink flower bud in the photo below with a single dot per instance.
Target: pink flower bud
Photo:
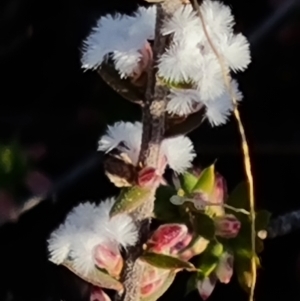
(152, 279)
(224, 269)
(97, 294)
(195, 249)
(150, 288)
(144, 63)
(181, 245)
(150, 274)
(147, 176)
(227, 226)
(218, 196)
(220, 190)
(108, 258)
(206, 286)
(167, 236)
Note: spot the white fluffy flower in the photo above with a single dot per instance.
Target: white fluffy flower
(209, 78)
(190, 56)
(184, 24)
(122, 36)
(177, 63)
(82, 248)
(59, 243)
(217, 17)
(184, 102)
(79, 220)
(126, 61)
(179, 152)
(126, 133)
(126, 137)
(120, 228)
(235, 50)
(219, 110)
(85, 227)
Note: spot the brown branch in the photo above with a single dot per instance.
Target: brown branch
(153, 131)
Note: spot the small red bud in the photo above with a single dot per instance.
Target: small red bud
(147, 176)
(97, 294)
(167, 236)
(108, 258)
(227, 226)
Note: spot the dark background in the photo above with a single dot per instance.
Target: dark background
(45, 98)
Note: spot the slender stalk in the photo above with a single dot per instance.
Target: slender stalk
(244, 146)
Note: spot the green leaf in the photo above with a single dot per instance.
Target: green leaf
(243, 272)
(191, 284)
(210, 258)
(164, 210)
(188, 182)
(206, 181)
(177, 85)
(166, 262)
(262, 220)
(239, 197)
(242, 265)
(129, 199)
(96, 277)
(13, 166)
(157, 294)
(204, 226)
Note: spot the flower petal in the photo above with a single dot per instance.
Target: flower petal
(206, 286)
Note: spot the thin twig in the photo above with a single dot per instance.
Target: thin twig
(245, 147)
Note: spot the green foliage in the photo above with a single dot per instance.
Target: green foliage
(158, 293)
(239, 197)
(204, 226)
(13, 167)
(164, 210)
(176, 85)
(206, 181)
(210, 259)
(188, 182)
(166, 262)
(96, 277)
(191, 283)
(129, 199)
(262, 220)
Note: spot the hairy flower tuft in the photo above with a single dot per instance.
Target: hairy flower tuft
(122, 36)
(86, 227)
(126, 137)
(190, 58)
(219, 110)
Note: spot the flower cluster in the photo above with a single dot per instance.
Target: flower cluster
(176, 152)
(90, 238)
(189, 61)
(197, 216)
(121, 36)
